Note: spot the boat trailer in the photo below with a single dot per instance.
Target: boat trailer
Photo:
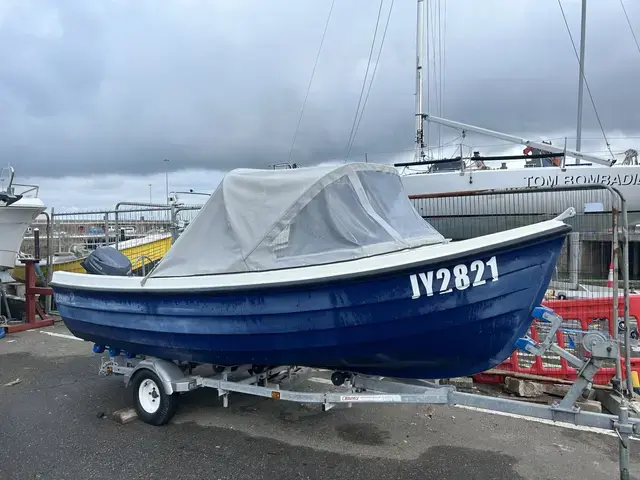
(158, 383)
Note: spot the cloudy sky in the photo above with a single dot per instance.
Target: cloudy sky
(94, 95)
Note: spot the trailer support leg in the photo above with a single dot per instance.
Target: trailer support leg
(32, 309)
(622, 428)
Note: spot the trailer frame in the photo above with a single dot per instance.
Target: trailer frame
(158, 383)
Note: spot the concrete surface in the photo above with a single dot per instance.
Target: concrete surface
(56, 424)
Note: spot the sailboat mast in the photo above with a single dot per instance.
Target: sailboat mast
(419, 153)
(583, 24)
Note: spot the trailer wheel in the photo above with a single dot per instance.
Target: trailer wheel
(153, 405)
(338, 378)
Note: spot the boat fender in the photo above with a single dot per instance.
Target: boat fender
(168, 372)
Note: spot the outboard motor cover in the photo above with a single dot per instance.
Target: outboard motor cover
(107, 261)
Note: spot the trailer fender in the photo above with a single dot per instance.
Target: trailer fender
(168, 372)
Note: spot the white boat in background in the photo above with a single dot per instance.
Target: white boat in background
(441, 197)
(19, 206)
(440, 189)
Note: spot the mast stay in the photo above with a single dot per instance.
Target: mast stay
(419, 151)
(421, 116)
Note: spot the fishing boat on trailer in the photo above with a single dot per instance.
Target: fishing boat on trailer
(327, 267)
(19, 207)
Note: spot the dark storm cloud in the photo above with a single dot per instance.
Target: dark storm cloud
(97, 87)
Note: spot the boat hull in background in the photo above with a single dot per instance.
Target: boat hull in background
(441, 199)
(14, 221)
(405, 324)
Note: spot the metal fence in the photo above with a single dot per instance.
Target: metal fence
(183, 215)
(586, 281)
(142, 232)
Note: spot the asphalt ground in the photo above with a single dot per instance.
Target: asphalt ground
(56, 424)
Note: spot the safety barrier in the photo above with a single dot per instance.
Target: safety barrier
(580, 316)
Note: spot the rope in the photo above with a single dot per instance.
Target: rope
(373, 75)
(427, 59)
(313, 72)
(364, 81)
(443, 52)
(436, 16)
(635, 39)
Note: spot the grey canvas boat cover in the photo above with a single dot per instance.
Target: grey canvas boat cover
(259, 220)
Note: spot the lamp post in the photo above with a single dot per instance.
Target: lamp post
(166, 177)
(150, 201)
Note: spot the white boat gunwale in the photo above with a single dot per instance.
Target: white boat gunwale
(300, 276)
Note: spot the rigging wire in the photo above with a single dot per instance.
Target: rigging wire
(440, 52)
(313, 72)
(364, 81)
(443, 56)
(584, 77)
(435, 29)
(373, 75)
(435, 13)
(433, 56)
(427, 49)
(635, 39)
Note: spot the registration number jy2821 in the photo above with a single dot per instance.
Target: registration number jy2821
(459, 277)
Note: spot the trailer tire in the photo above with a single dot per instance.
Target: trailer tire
(153, 405)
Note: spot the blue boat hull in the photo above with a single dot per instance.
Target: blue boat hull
(405, 324)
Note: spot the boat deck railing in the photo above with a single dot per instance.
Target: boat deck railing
(26, 190)
(7, 184)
